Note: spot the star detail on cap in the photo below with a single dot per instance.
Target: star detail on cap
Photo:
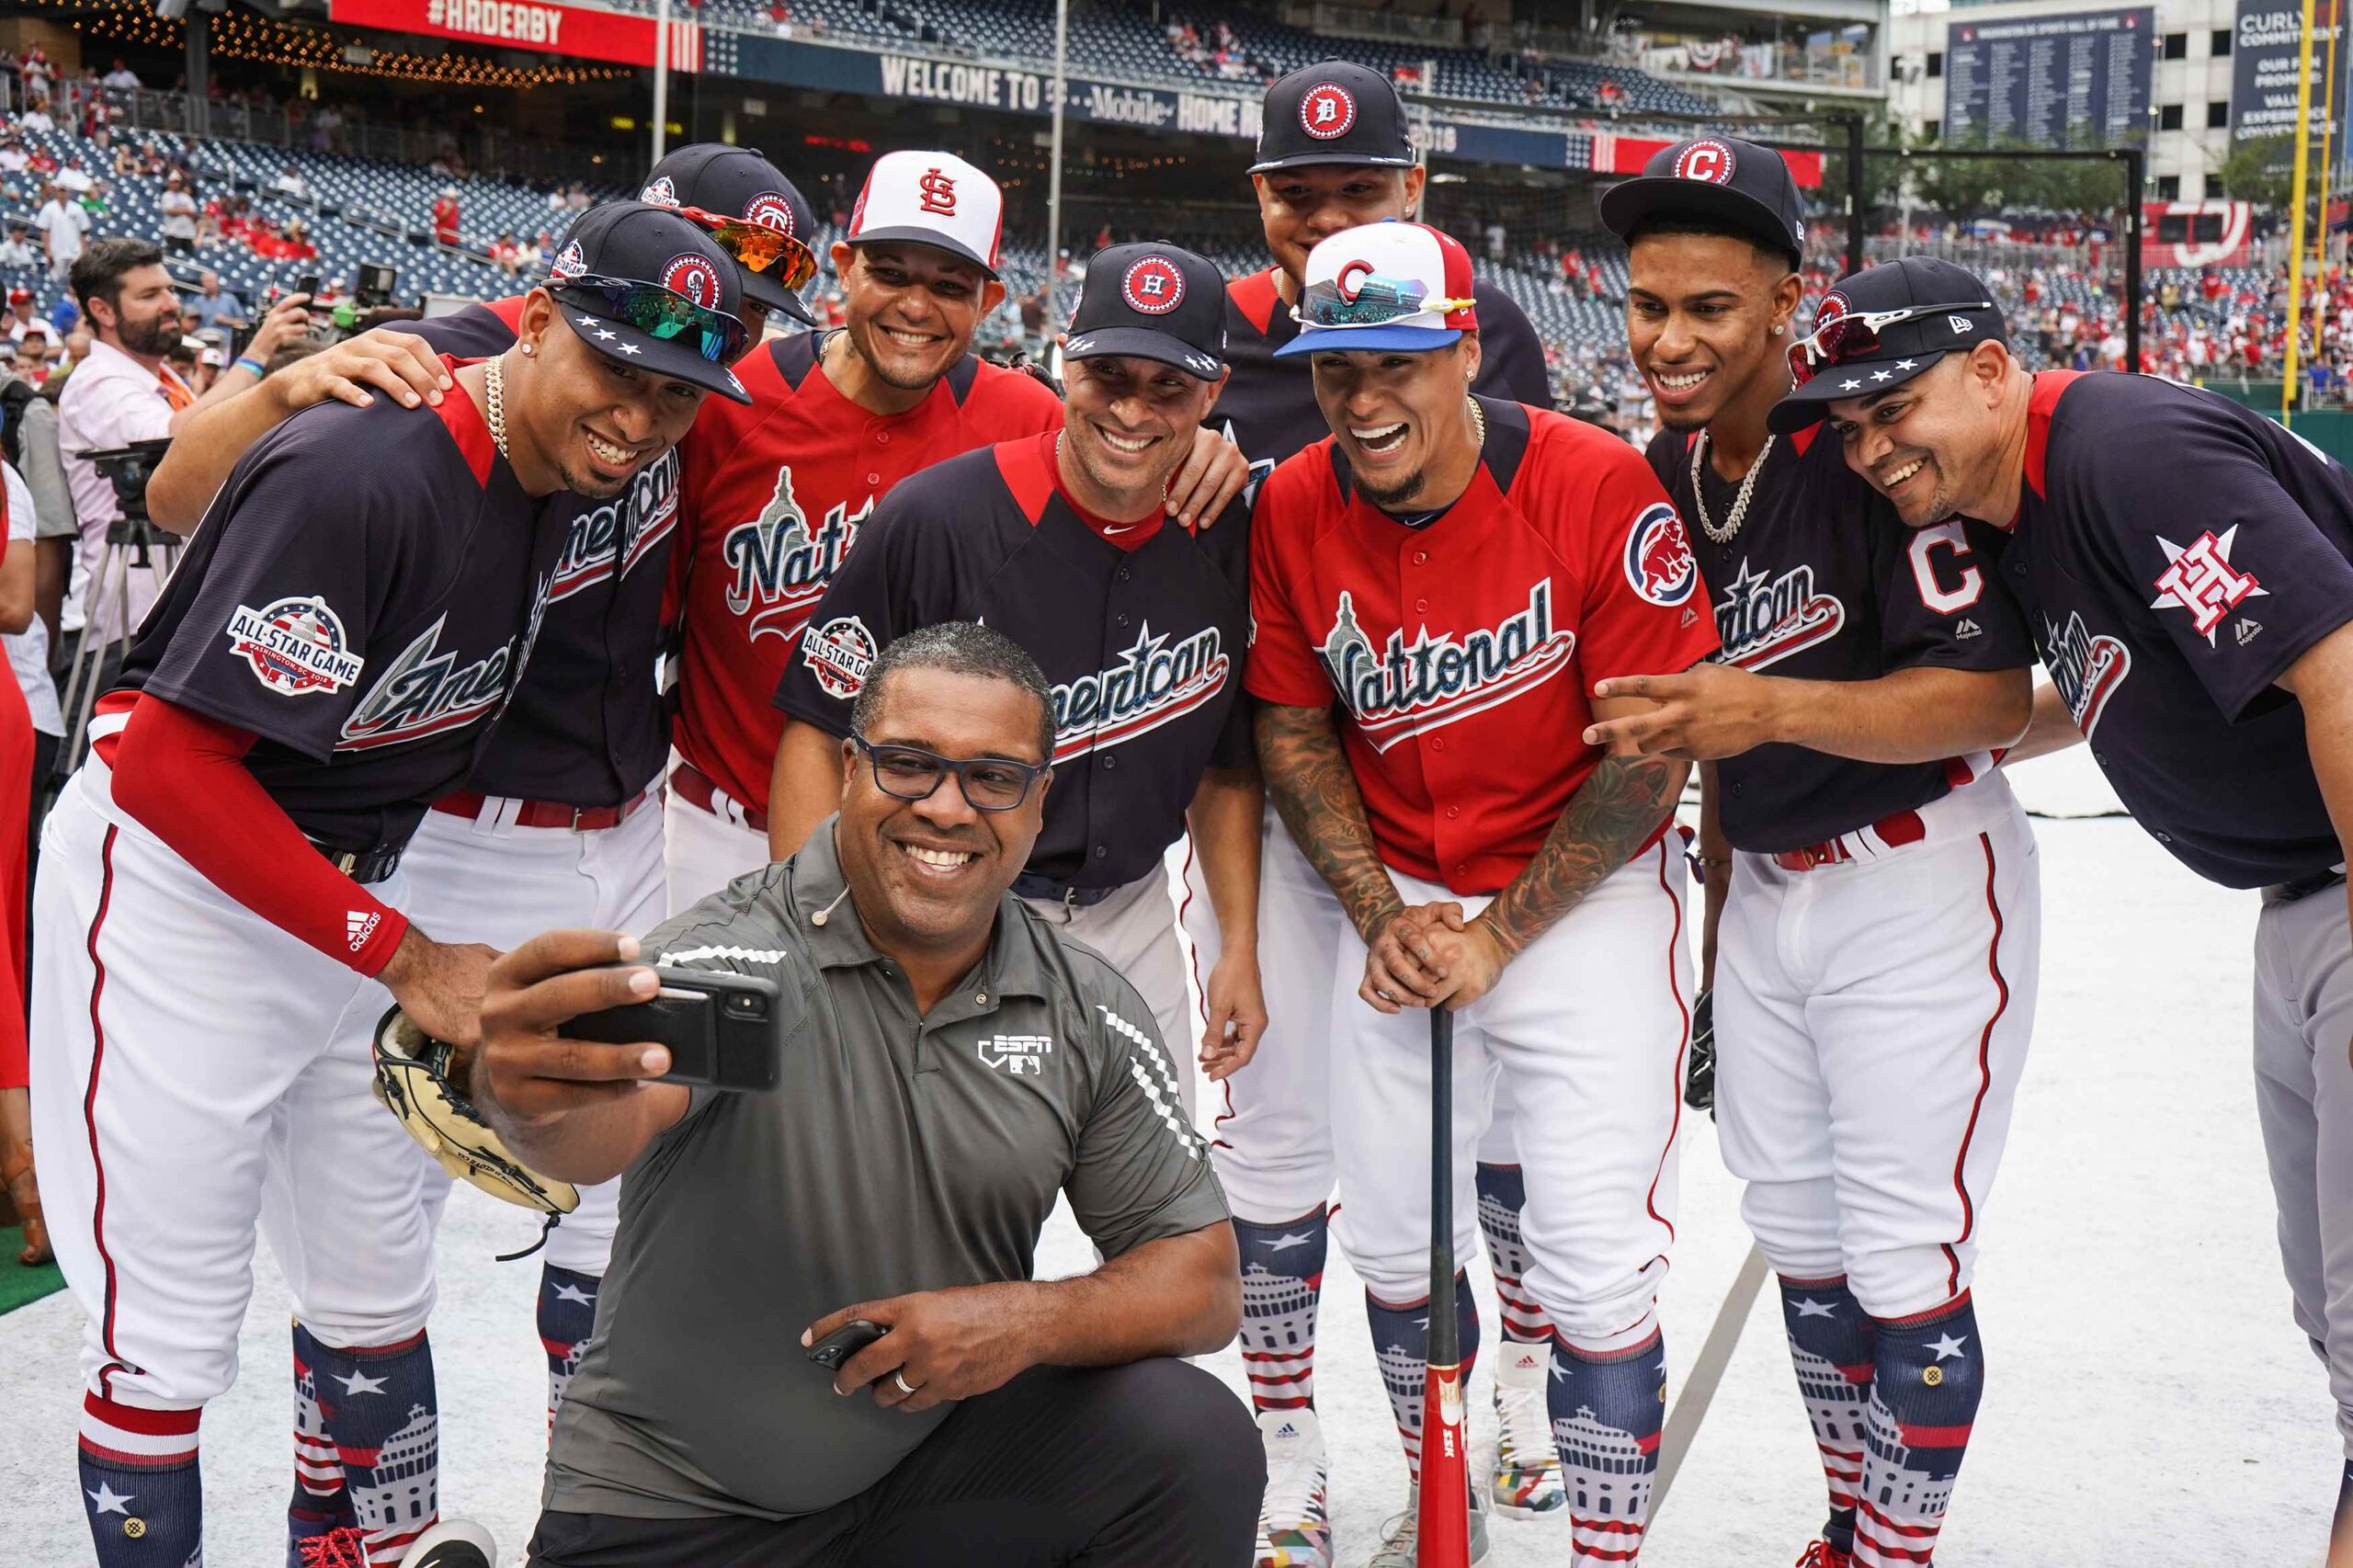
(586, 320)
(1849, 386)
(1907, 364)
(107, 1500)
(606, 335)
(1950, 1346)
(1880, 375)
(632, 348)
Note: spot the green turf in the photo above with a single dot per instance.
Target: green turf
(18, 1284)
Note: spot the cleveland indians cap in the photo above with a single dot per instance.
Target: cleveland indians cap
(932, 199)
(1880, 327)
(1719, 179)
(1386, 284)
(1333, 112)
(648, 288)
(1155, 300)
(737, 182)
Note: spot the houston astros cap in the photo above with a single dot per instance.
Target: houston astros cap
(1719, 179)
(932, 199)
(648, 288)
(1880, 327)
(1153, 301)
(1333, 112)
(757, 216)
(1386, 284)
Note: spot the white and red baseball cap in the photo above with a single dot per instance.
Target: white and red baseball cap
(931, 199)
(1386, 284)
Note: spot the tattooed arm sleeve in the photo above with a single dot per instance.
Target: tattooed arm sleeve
(1619, 804)
(1315, 793)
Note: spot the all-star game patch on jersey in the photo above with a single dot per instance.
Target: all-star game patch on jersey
(1143, 647)
(775, 496)
(1822, 583)
(365, 620)
(2166, 597)
(1463, 650)
(587, 726)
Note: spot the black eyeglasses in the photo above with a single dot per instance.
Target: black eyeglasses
(658, 312)
(990, 783)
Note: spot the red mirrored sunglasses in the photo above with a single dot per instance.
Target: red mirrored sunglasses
(1855, 335)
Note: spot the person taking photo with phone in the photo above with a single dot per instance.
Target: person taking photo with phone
(946, 1066)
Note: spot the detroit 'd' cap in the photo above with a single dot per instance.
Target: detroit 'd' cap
(1334, 111)
(931, 199)
(1155, 300)
(647, 288)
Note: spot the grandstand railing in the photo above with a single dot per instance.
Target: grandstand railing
(1360, 21)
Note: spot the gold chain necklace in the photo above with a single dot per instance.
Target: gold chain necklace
(1478, 419)
(493, 396)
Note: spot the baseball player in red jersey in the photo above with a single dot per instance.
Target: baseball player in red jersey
(773, 496)
(1458, 572)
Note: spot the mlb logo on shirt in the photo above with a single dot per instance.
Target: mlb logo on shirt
(1017, 1055)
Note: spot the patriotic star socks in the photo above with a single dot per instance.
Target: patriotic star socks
(377, 1405)
(321, 1504)
(1503, 1193)
(140, 1488)
(1607, 1411)
(1282, 1284)
(1401, 1344)
(1831, 1347)
(1928, 1373)
(567, 1314)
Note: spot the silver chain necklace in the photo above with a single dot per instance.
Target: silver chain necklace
(493, 396)
(1739, 513)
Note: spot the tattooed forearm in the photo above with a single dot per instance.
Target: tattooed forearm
(1613, 811)
(1308, 778)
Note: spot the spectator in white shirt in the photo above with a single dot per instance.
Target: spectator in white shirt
(74, 176)
(13, 157)
(62, 223)
(292, 184)
(23, 321)
(17, 250)
(37, 117)
(177, 209)
(121, 78)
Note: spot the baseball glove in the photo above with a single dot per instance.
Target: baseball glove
(1699, 1084)
(413, 1083)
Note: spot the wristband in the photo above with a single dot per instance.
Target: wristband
(248, 363)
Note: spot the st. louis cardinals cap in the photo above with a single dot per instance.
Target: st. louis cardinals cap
(1880, 327)
(1721, 179)
(1386, 284)
(714, 182)
(1333, 112)
(648, 288)
(1155, 300)
(932, 199)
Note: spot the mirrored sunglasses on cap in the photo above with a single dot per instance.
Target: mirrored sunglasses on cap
(1856, 334)
(1376, 300)
(658, 312)
(755, 247)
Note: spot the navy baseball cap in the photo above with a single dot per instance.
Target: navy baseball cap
(647, 288)
(1880, 327)
(1719, 179)
(714, 182)
(1156, 302)
(1334, 111)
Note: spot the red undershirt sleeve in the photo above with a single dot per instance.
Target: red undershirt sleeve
(183, 778)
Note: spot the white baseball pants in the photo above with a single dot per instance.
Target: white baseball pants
(704, 851)
(1134, 930)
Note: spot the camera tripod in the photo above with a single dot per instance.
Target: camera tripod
(133, 544)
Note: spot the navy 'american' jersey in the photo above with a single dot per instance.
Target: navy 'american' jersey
(366, 620)
(1824, 582)
(2176, 553)
(587, 726)
(1143, 647)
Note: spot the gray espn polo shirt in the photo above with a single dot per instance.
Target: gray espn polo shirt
(899, 1153)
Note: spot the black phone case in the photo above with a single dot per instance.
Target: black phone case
(723, 1030)
(845, 1341)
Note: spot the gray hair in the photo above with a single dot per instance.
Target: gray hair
(960, 648)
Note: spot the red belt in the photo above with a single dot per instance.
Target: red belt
(553, 813)
(1897, 829)
(693, 785)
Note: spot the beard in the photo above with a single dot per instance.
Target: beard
(156, 335)
(1393, 496)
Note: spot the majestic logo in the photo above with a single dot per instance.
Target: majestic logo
(781, 565)
(659, 193)
(570, 262)
(2202, 580)
(1762, 622)
(937, 194)
(694, 276)
(1154, 682)
(1153, 285)
(839, 654)
(2085, 668)
(1329, 110)
(1659, 563)
(1407, 689)
(425, 692)
(1018, 1055)
(623, 530)
(770, 209)
(1709, 161)
(2247, 631)
(294, 647)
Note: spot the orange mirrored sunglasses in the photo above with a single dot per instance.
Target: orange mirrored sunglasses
(758, 248)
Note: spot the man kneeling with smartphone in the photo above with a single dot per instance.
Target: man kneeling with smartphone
(944, 1067)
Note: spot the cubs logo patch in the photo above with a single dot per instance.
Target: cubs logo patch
(294, 647)
(1710, 162)
(1659, 564)
(660, 193)
(839, 654)
(1017, 1055)
(769, 210)
(1152, 285)
(694, 276)
(1329, 110)
(570, 262)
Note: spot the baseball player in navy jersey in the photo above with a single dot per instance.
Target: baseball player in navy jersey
(1449, 574)
(1060, 541)
(1334, 154)
(1870, 939)
(2187, 568)
(314, 677)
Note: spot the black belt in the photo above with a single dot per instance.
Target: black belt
(2303, 887)
(1045, 889)
(362, 866)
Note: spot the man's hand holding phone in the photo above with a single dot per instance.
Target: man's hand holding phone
(526, 1065)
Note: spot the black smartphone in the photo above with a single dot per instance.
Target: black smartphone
(845, 1341)
(724, 1031)
(307, 284)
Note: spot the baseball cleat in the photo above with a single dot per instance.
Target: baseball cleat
(344, 1547)
(1526, 1482)
(453, 1543)
(1398, 1548)
(1295, 1522)
(1821, 1555)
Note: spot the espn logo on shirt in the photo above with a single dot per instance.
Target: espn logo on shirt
(1017, 1055)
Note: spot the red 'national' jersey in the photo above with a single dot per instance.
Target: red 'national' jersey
(1463, 650)
(772, 495)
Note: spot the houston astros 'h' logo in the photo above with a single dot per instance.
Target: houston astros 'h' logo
(694, 276)
(1327, 111)
(1709, 161)
(1153, 285)
(937, 192)
(769, 210)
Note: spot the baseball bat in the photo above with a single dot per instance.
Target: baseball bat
(1443, 1536)
(1707, 1372)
